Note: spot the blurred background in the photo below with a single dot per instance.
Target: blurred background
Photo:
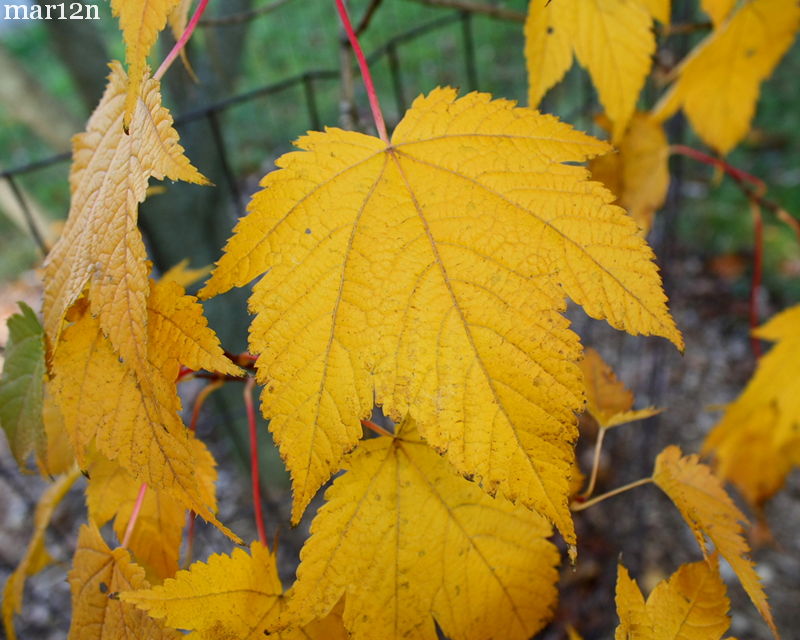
(269, 70)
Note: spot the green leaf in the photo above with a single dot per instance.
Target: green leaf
(22, 385)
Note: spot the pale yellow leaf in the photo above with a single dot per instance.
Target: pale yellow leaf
(634, 621)
(98, 574)
(719, 82)
(638, 174)
(179, 17)
(101, 245)
(407, 541)
(709, 511)
(718, 10)
(757, 441)
(36, 556)
(133, 418)
(140, 22)
(429, 276)
(612, 39)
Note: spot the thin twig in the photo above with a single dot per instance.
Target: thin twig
(682, 28)
(367, 17)
(598, 447)
(580, 506)
(254, 460)
(244, 16)
(501, 13)
(187, 33)
(137, 507)
(376, 428)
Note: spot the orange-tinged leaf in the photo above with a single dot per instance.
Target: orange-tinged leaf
(717, 10)
(407, 541)
(156, 539)
(709, 511)
(613, 39)
(410, 274)
(757, 441)
(634, 621)
(36, 556)
(140, 21)
(98, 574)
(639, 173)
(101, 245)
(234, 597)
(133, 418)
(607, 399)
(721, 104)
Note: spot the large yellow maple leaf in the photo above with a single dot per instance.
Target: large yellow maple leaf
(709, 511)
(101, 245)
(691, 605)
(757, 442)
(229, 597)
(98, 574)
(406, 541)
(429, 276)
(133, 418)
(613, 39)
(140, 21)
(719, 82)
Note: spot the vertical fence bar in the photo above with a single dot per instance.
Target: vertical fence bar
(311, 101)
(397, 81)
(469, 50)
(219, 143)
(27, 214)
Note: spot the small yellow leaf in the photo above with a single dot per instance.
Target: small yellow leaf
(184, 275)
(613, 39)
(607, 399)
(717, 10)
(409, 275)
(709, 511)
(36, 556)
(757, 441)
(179, 17)
(406, 541)
(720, 104)
(639, 173)
(634, 620)
(140, 21)
(101, 245)
(97, 575)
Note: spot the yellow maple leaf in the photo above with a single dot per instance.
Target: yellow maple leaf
(133, 418)
(101, 245)
(719, 102)
(98, 574)
(429, 276)
(140, 21)
(613, 39)
(758, 439)
(406, 541)
(691, 605)
(228, 597)
(607, 399)
(156, 539)
(709, 511)
(638, 174)
(717, 10)
(36, 556)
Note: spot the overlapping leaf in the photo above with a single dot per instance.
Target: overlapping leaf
(638, 174)
(36, 556)
(429, 276)
(719, 82)
(709, 511)
(407, 541)
(613, 39)
(101, 245)
(758, 439)
(691, 605)
(22, 386)
(140, 21)
(236, 596)
(133, 418)
(717, 10)
(98, 574)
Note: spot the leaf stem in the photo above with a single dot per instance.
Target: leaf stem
(137, 507)
(580, 506)
(187, 33)
(200, 401)
(376, 428)
(735, 173)
(598, 446)
(254, 462)
(377, 114)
